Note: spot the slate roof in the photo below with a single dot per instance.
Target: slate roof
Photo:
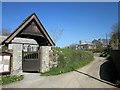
(23, 25)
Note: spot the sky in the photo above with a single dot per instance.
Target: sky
(76, 20)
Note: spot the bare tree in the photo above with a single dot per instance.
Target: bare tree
(6, 32)
(115, 39)
(56, 34)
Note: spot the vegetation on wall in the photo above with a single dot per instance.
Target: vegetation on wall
(69, 60)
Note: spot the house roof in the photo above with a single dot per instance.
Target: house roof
(21, 29)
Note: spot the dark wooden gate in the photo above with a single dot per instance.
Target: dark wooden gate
(31, 61)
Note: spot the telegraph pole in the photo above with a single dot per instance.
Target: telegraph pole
(106, 40)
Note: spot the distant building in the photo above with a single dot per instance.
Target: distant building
(105, 42)
(73, 46)
(86, 45)
(95, 44)
(101, 43)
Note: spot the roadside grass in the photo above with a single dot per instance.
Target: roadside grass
(69, 60)
(9, 79)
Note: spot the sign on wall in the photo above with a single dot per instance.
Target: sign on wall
(5, 59)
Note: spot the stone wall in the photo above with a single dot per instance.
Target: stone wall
(44, 58)
(115, 55)
(53, 59)
(16, 68)
(47, 59)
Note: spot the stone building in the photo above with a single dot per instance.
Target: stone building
(30, 46)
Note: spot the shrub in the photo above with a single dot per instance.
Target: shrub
(118, 83)
(4, 48)
(99, 50)
(105, 53)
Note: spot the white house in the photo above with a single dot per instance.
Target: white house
(86, 45)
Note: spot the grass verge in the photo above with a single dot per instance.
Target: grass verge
(9, 79)
(70, 59)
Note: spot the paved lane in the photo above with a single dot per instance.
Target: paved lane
(68, 80)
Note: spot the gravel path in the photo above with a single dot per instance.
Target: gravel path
(86, 77)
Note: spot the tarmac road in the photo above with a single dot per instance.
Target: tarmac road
(86, 77)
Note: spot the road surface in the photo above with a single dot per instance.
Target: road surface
(86, 77)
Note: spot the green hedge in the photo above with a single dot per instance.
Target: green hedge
(70, 59)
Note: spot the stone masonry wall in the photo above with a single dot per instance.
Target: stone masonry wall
(16, 68)
(53, 59)
(115, 54)
(46, 62)
(44, 58)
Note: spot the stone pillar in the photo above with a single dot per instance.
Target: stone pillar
(44, 58)
(16, 68)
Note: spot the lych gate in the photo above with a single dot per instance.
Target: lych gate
(31, 28)
(31, 58)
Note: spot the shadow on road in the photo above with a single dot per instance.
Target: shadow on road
(108, 72)
(95, 78)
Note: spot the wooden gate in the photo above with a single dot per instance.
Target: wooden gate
(31, 61)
